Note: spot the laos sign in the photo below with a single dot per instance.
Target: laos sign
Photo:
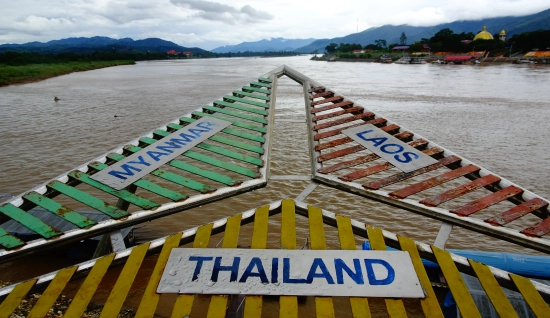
(393, 150)
(290, 272)
(139, 164)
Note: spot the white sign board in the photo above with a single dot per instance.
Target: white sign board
(290, 272)
(139, 164)
(393, 150)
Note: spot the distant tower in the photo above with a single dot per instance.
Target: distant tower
(502, 36)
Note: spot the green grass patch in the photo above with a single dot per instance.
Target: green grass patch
(34, 72)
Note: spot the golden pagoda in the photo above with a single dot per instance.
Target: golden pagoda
(483, 35)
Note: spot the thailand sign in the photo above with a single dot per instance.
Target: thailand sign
(290, 272)
(393, 150)
(139, 164)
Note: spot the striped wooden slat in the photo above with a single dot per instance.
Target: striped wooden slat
(323, 305)
(241, 107)
(14, 298)
(229, 131)
(323, 94)
(363, 116)
(150, 298)
(460, 190)
(49, 296)
(265, 80)
(334, 99)
(497, 297)
(327, 134)
(539, 229)
(234, 122)
(204, 173)
(395, 307)
(231, 113)
(434, 181)
(359, 306)
(487, 201)
(517, 212)
(256, 90)
(258, 84)
(430, 304)
(352, 110)
(89, 286)
(316, 89)
(184, 303)
(59, 210)
(256, 96)
(333, 106)
(462, 297)
(218, 303)
(531, 295)
(288, 305)
(27, 220)
(337, 142)
(375, 185)
(124, 282)
(9, 241)
(253, 304)
(246, 101)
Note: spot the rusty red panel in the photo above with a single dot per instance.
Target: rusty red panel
(375, 185)
(329, 107)
(517, 212)
(359, 160)
(432, 182)
(418, 143)
(366, 172)
(460, 190)
(324, 94)
(341, 141)
(356, 109)
(340, 153)
(341, 121)
(487, 201)
(348, 164)
(539, 229)
(326, 134)
(334, 99)
(433, 151)
(316, 89)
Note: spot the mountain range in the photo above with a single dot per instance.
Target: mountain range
(99, 43)
(274, 44)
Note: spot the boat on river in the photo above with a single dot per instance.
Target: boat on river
(411, 60)
(223, 150)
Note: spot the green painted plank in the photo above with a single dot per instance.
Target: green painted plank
(246, 101)
(221, 164)
(265, 80)
(204, 173)
(145, 184)
(231, 154)
(229, 131)
(88, 199)
(32, 223)
(175, 178)
(56, 208)
(9, 241)
(234, 122)
(122, 194)
(255, 89)
(260, 120)
(258, 84)
(241, 93)
(241, 107)
(211, 161)
(219, 150)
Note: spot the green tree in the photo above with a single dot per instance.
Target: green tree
(380, 43)
(331, 48)
(403, 39)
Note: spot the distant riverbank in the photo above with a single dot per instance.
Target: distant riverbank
(18, 74)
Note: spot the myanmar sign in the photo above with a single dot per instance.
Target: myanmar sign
(290, 272)
(139, 164)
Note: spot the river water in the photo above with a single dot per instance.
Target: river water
(495, 115)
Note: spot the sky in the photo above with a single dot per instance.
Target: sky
(209, 24)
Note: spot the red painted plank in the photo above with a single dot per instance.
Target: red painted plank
(340, 153)
(356, 109)
(517, 212)
(341, 121)
(377, 122)
(460, 190)
(364, 159)
(329, 107)
(316, 89)
(345, 140)
(348, 164)
(366, 172)
(334, 99)
(487, 201)
(539, 229)
(432, 182)
(375, 185)
(324, 94)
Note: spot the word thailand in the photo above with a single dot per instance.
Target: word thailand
(317, 270)
(134, 167)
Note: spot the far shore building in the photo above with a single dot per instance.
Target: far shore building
(502, 36)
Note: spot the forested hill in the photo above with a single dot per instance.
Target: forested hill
(392, 33)
(99, 43)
